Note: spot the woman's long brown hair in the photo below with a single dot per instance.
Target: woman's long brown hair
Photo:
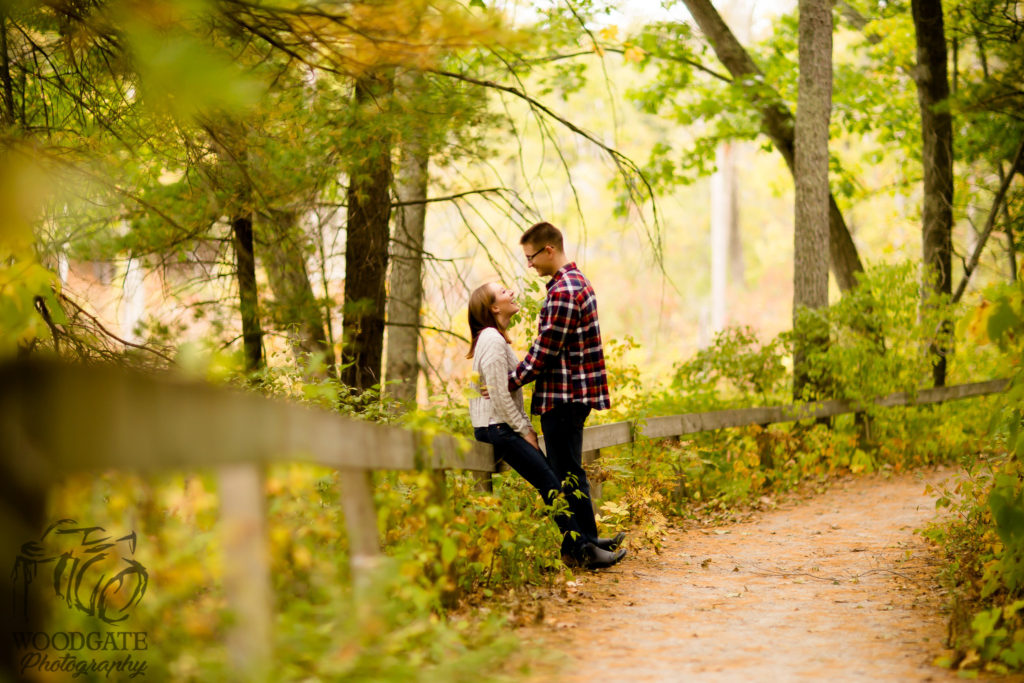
(481, 316)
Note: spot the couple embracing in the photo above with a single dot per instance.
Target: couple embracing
(567, 362)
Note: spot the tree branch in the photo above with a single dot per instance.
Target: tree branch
(990, 222)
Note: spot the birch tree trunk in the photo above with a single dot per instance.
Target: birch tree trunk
(723, 227)
(406, 290)
(932, 79)
(811, 231)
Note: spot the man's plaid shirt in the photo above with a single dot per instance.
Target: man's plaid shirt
(566, 359)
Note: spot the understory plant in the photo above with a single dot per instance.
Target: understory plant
(984, 539)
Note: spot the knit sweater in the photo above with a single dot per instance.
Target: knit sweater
(493, 360)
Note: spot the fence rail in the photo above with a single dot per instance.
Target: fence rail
(58, 419)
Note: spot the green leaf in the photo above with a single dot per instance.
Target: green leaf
(1008, 512)
(1002, 320)
(448, 551)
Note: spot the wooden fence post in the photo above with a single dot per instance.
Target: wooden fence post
(246, 571)
(361, 522)
(484, 482)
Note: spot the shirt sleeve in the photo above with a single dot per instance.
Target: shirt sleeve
(494, 369)
(558, 318)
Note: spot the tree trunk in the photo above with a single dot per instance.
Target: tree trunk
(723, 226)
(811, 233)
(366, 244)
(295, 308)
(7, 116)
(252, 334)
(777, 123)
(406, 291)
(937, 156)
(1011, 246)
(133, 300)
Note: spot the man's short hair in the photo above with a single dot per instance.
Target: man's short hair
(543, 234)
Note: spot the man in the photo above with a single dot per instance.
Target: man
(567, 362)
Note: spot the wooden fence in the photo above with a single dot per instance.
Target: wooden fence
(56, 420)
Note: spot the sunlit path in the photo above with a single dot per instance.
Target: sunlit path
(837, 587)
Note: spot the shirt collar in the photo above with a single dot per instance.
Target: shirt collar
(571, 265)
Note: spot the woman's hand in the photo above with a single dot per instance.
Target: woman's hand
(531, 438)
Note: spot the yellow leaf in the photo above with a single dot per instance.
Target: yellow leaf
(610, 33)
(634, 54)
(302, 557)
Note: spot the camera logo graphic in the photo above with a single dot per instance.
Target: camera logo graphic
(89, 570)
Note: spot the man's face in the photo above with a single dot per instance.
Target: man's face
(540, 257)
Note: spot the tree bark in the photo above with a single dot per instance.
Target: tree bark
(7, 116)
(295, 309)
(406, 291)
(937, 155)
(252, 333)
(811, 232)
(366, 243)
(778, 124)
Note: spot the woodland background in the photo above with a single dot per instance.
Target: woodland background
(298, 198)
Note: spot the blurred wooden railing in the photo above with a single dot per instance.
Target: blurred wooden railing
(57, 420)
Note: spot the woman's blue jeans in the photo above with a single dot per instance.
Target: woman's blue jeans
(534, 468)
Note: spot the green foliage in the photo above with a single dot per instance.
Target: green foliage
(877, 346)
(390, 629)
(457, 543)
(879, 337)
(736, 364)
(985, 540)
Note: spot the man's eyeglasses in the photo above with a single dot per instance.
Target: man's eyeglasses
(530, 257)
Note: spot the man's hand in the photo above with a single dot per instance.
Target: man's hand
(531, 438)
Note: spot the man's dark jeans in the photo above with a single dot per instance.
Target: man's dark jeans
(563, 440)
(534, 468)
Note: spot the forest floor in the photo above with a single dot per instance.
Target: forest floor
(828, 586)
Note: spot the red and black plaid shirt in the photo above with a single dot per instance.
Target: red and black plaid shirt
(566, 359)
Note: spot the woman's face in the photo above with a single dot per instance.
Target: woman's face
(504, 300)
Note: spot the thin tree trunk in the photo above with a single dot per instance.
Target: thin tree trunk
(937, 155)
(296, 309)
(777, 123)
(8, 116)
(406, 291)
(1011, 247)
(252, 333)
(811, 233)
(366, 244)
(723, 222)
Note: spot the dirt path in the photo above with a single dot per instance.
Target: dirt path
(836, 587)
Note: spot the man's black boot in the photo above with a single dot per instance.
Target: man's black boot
(611, 543)
(598, 558)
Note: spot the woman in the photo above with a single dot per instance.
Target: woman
(500, 419)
